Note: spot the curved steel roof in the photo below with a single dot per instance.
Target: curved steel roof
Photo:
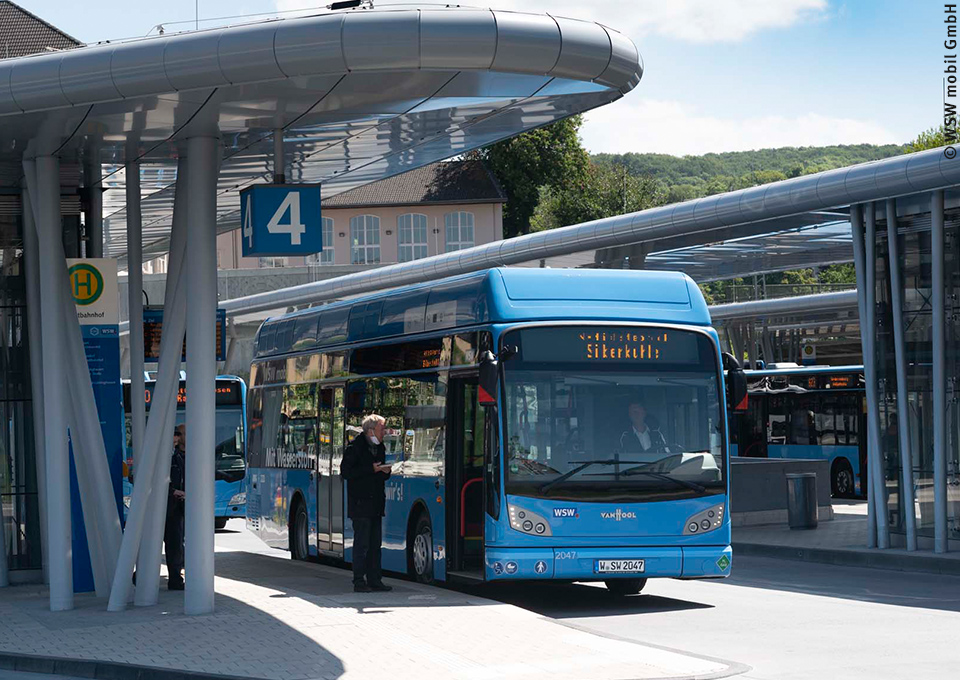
(359, 95)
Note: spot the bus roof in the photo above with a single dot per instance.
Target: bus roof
(491, 296)
(804, 370)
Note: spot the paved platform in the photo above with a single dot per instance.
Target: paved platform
(841, 541)
(276, 618)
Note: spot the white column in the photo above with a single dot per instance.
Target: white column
(204, 162)
(900, 350)
(163, 412)
(43, 177)
(939, 376)
(856, 227)
(31, 257)
(879, 485)
(138, 416)
(152, 469)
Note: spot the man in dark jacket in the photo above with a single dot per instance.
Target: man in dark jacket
(173, 530)
(641, 438)
(365, 470)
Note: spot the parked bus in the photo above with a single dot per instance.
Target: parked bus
(509, 397)
(231, 435)
(809, 412)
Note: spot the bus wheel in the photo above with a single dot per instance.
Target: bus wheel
(421, 550)
(841, 478)
(220, 523)
(298, 533)
(625, 586)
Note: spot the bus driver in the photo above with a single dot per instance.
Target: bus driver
(641, 438)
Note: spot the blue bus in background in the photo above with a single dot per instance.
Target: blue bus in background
(807, 412)
(230, 453)
(508, 396)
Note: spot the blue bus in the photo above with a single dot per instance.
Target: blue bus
(509, 397)
(230, 453)
(808, 412)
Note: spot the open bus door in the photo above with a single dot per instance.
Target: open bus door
(330, 416)
(466, 429)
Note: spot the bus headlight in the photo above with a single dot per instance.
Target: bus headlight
(702, 522)
(238, 498)
(527, 522)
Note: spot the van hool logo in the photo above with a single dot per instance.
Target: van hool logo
(618, 515)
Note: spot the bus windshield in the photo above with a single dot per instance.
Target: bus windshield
(612, 414)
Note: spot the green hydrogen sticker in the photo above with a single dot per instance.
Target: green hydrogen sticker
(723, 562)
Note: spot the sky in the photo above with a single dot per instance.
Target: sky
(719, 75)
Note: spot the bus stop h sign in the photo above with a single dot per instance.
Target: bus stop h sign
(281, 219)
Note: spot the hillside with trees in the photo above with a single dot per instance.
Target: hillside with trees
(551, 181)
(689, 177)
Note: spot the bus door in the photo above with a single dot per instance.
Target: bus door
(330, 414)
(465, 468)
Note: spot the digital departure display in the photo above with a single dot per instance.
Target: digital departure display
(598, 345)
(228, 394)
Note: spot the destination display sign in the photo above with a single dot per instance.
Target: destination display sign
(228, 394)
(153, 330)
(609, 345)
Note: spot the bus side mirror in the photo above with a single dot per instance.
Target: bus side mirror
(489, 370)
(736, 383)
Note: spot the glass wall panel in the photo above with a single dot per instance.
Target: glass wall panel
(917, 258)
(18, 483)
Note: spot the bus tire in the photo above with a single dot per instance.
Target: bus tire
(421, 549)
(841, 479)
(625, 586)
(220, 523)
(298, 532)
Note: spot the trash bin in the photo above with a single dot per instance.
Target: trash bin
(802, 500)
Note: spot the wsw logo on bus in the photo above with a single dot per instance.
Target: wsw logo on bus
(561, 513)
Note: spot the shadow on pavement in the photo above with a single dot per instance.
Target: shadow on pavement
(562, 601)
(884, 586)
(313, 580)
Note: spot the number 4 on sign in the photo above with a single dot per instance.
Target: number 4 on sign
(294, 227)
(248, 224)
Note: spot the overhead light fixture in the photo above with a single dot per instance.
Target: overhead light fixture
(349, 4)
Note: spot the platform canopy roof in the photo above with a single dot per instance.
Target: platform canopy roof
(357, 95)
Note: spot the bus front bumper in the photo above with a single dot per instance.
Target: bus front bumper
(586, 564)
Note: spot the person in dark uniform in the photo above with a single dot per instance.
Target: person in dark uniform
(641, 438)
(365, 470)
(173, 530)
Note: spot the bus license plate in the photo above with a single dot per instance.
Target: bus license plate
(618, 567)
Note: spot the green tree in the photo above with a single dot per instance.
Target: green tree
(930, 139)
(603, 191)
(551, 156)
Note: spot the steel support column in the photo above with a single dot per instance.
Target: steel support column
(141, 539)
(163, 414)
(138, 416)
(939, 376)
(31, 258)
(43, 177)
(856, 227)
(879, 485)
(94, 215)
(204, 163)
(900, 351)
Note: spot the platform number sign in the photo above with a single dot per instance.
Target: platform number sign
(281, 219)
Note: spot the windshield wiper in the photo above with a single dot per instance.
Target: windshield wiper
(660, 475)
(582, 466)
